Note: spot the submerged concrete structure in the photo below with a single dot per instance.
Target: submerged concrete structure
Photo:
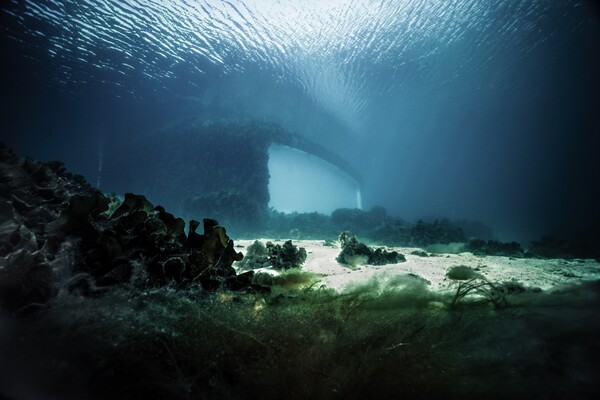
(217, 168)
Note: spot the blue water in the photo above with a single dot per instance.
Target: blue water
(479, 109)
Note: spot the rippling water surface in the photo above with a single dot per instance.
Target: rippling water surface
(345, 54)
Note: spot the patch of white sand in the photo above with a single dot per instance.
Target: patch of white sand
(531, 272)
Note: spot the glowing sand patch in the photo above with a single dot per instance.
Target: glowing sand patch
(532, 272)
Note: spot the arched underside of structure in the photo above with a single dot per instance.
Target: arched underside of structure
(211, 168)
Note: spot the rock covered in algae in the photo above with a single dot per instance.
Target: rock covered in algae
(355, 253)
(286, 256)
(257, 256)
(57, 232)
(277, 256)
(32, 196)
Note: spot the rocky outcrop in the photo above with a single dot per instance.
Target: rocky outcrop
(274, 256)
(355, 253)
(57, 232)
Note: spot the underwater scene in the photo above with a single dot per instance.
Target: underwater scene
(299, 199)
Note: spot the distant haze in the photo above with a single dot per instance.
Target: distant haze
(304, 183)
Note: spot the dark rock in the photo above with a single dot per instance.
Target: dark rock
(31, 198)
(355, 253)
(419, 253)
(277, 256)
(25, 280)
(241, 281)
(285, 256)
(380, 256)
(568, 249)
(45, 209)
(439, 231)
(257, 256)
(174, 268)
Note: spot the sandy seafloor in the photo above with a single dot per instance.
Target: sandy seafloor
(530, 272)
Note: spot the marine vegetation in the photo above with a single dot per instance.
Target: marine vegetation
(256, 257)
(51, 217)
(383, 339)
(355, 253)
(286, 256)
(277, 256)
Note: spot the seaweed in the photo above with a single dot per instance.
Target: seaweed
(355, 253)
(257, 256)
(382, 339)
(276, 256)
(285, 256)
(483, 290)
